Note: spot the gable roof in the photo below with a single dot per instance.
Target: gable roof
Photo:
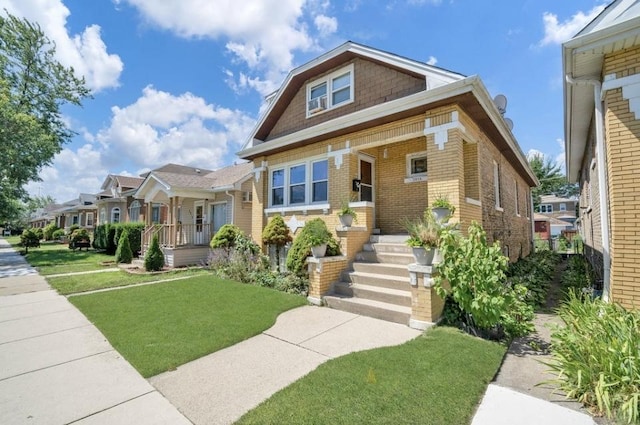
(125, 182)
(616, 28)
(180, 169)
(443, 87)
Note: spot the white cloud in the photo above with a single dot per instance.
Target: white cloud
(556, 32)
(432, 60)
(160, 127)
(85, 52)
(261, 34)
(326, 25)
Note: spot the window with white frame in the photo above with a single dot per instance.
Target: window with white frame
(496, 184)
(134, 211)
(563, 206)
(115, 215)
(299, 184)
(417, 164)
(331, 91)
(546, 208)
(89, 219)
(74, 219)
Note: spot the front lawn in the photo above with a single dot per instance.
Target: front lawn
(438, 378)
(66, 285)
(159, 327)
(54, 258)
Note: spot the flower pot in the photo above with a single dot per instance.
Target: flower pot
(346, 220)
(441, 214)
(319, 251)
(423, 256)
(437, 256)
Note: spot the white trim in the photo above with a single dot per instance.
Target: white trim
(302, 208)
(327, 80)
(496, 186)
(362, 204)
(409, 162)
(286, 167)
(416, 179)
(473, 202)
(441, 132)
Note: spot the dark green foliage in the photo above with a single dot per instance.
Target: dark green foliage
(39, 232)
(29, 239)
(57, 234)
(595, 356)
(578, 275)
(315, 231)
(154, 258)
(551, 178)
(134, 232)
(535, 273)
(48, 231)
(123, 253)
(80, 238)
(34, 86)
(277, 234)
(104, 238)
(225, 237)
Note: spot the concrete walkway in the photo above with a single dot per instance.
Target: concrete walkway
(57, 368)
(221, 387)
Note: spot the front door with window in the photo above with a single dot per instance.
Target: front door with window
(366, 179)
(198, 217)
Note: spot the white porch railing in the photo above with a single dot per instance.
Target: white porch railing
(178, 235)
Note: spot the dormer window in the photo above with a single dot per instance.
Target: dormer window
(333, 90)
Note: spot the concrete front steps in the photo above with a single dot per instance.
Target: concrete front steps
(378, 284)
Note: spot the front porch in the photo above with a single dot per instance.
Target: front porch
(182, 244)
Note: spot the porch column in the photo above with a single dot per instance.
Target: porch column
(174, 220)
(260, 198)
(147, 216)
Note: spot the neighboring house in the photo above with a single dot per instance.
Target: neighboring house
(80, 211)
(391, 135)
(116, 202)
(41, 217)
(563, 209)
(197, 203)
(602, 132)
(542, 226)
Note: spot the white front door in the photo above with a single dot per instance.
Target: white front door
(198, 217)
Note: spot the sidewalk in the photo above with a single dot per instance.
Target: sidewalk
(57, 368)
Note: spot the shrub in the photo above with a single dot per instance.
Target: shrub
(276, 234)
(154, 258)
(39, 233)
(301, 247)
(29, 239)
(595, 356)
(134, 233)
(79, 235)
(49, 230)
(239, 260)
(475, 272)
(578, 275)
(104, 239)
(123, 253)
(225, 237)
(535, 273)
(58, 234)
(73, 228)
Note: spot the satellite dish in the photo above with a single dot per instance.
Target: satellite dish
(501, 103)
(509, 123)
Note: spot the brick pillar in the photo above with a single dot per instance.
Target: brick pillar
(323, 272)
(426, 304)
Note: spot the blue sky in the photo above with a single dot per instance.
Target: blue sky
(183, 80)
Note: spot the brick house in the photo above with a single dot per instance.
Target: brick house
(602, 131)
(185, 207)
(389, 134)
(116, 202)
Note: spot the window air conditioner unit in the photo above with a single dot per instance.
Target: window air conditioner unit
(318, 104)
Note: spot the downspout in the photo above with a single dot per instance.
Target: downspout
(233, 204)
(602, 179)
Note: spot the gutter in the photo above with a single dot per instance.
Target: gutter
(602, 179)
(233, 204)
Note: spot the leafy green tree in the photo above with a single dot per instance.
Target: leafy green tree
(552, 181)
(33, 88)
(29, 239)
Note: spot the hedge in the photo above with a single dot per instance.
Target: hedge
(106, 237)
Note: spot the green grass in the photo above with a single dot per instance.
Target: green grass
(66, 285)
(73, 268)
(159, 327)
(437, 378)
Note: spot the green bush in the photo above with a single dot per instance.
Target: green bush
(73, 228)
(578, 275)
(58, 234)
(541, 244)
(134, 232)
(276, 234)
(78, 235)
(48, 231)
(29, 239)
(154, 257)
(225, 237)
(123, 253)
(535, 273)
(39, 233)
(301, 247)
(238, 260)
(596, 358)
(475, 272)
(104, 238)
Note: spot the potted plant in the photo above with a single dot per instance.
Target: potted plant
(442, 209)
(423, 239)
(347, 215)
(318, 236)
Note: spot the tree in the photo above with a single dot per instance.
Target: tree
(123, 253)
(154, 258)
(552, 181)
(277, 234)
(29, 239)
(33, 87)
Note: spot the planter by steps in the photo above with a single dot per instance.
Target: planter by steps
(346, 220)
(441, 214)
(423, 256)
(319, 251)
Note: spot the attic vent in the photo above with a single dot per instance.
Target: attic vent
(247, 196)
(318, 104)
